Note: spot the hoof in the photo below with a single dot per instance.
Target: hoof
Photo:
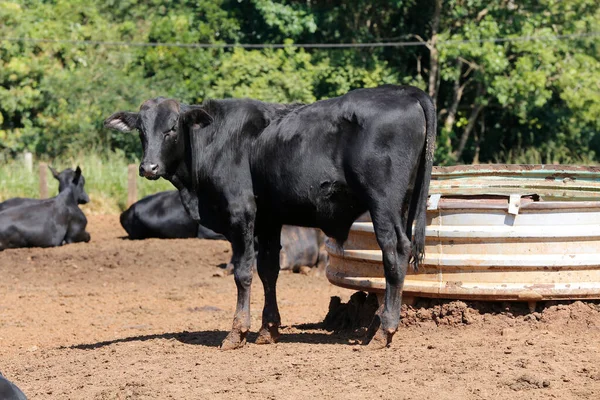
(268, 335)
(234, 340)
(380, 340)
(373, 328)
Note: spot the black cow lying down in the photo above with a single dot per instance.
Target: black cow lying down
(244, 168)
(47, 223)
(302, 247)
(64, 180)
(163, 216)
(9, 391)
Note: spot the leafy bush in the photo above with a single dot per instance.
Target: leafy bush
(497, 101)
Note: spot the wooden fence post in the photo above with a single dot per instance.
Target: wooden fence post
(132, 173)
(43, 181)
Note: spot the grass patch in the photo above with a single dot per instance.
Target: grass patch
(105, 181)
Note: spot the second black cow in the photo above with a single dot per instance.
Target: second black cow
(244, 168)
(163, 216)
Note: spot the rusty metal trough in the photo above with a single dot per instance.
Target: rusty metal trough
(495, 232)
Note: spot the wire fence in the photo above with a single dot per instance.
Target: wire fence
(544, 38)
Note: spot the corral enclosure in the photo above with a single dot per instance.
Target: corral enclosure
(119, 319)
(115, 319)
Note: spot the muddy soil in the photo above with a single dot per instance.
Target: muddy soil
(119, 319)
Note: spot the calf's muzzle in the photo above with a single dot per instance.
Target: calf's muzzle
(149, 171)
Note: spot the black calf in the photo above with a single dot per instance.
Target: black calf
(47, 223)
(245, 168)
(64, 179)
(162, 215)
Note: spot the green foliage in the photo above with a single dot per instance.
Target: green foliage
(540, 97)
(53, 97)
(285, 18)
(183, 73)
(281, 75)
(534, 101)
(344, 73)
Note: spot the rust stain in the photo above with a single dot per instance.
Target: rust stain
(514, 168)
(542, 286)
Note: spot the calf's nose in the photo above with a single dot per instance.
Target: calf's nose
(148, 169)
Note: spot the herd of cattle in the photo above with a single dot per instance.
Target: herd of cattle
(248, 171)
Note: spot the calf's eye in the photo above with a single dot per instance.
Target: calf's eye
(170, 132)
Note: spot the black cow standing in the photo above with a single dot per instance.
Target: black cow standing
(47, 223)
(245, 168)
(64, 180)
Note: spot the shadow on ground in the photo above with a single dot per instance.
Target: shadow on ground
(214, 338)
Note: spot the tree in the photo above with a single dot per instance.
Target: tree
(498, 101)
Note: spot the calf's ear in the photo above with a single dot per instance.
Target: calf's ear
(196, 118)
(54, 172)
(77, 175)
(122, 121)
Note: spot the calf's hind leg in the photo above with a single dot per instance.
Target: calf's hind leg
(269, 246)
(396, 248)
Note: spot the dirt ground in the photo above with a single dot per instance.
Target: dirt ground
(116, 319)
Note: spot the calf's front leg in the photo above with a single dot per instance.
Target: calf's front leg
(76, 233)
(242, 243)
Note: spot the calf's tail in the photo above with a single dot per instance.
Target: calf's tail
(418, 204)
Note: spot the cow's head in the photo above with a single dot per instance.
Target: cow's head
(160, 123)
(69, 177)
